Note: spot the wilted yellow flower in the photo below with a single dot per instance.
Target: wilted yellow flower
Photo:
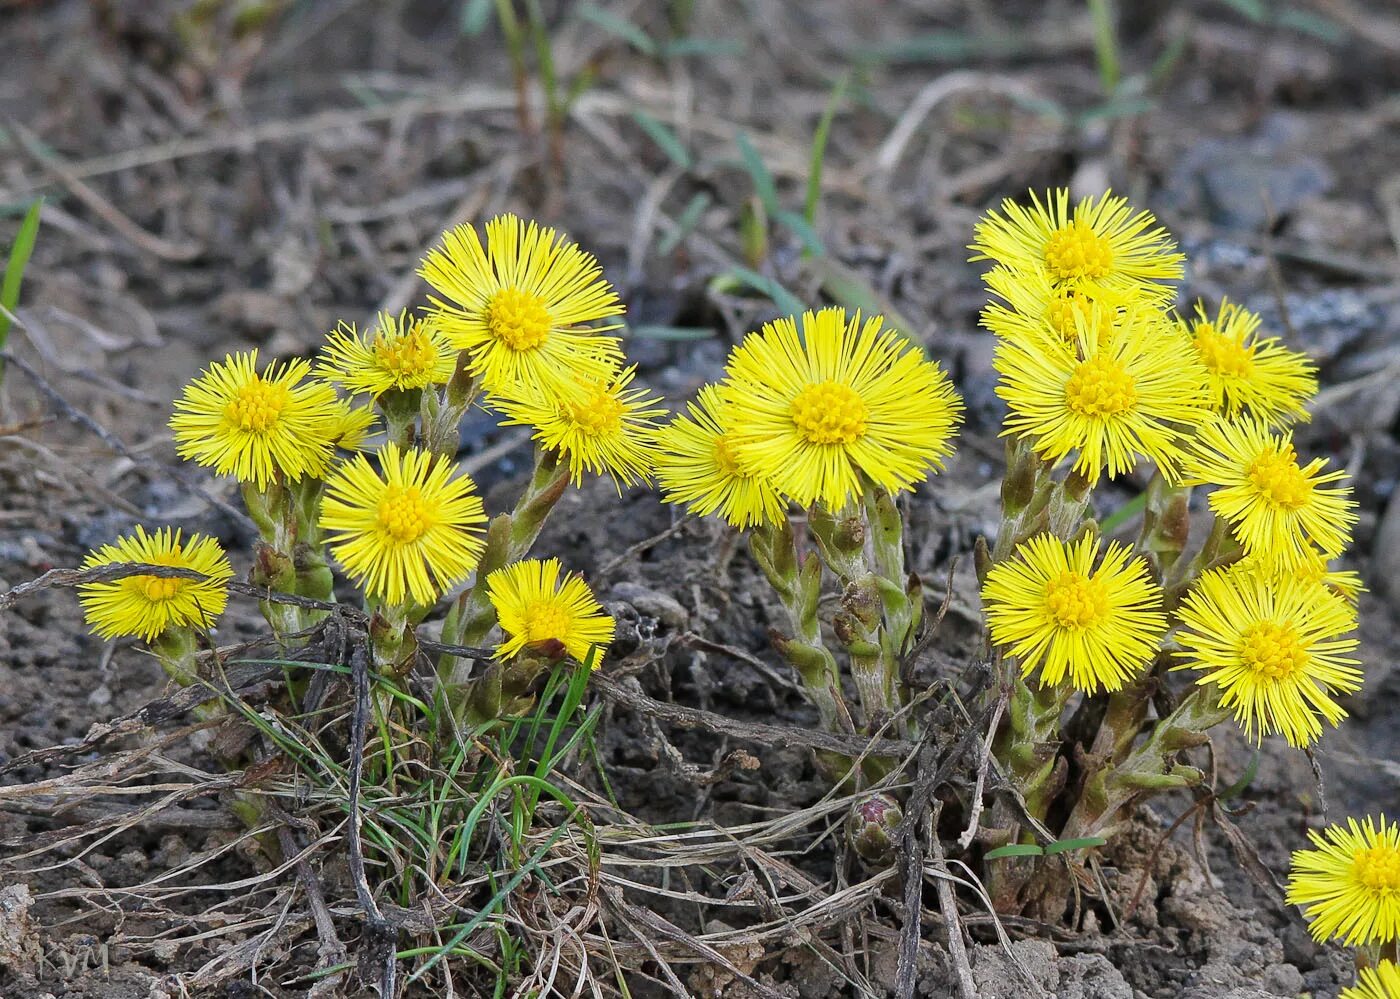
(519, 305)
(696, 466)
(1380, 982)
(147, 606)
(1125, 393)
(536, 609)
(353, 426)
(1054, 610)
(1102, 242)
(1278, 508)
(255, 426)
(814, 412)
(1274, 649)
(408, 530)
(599, 425)
(1247, 372)
(404, 352)
(1349, 885)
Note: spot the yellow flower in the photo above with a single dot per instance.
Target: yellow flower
(146, 606)
(600, 426)
(1350, 884)
(817, 411)
(1038, 309)
(353, 425)
(409, 530)
(518, 306)
(1102, 242)
(1380, 982)
(1249, 372)
(1125, 393)
(1275, 650)
(1312, 570)
(536, 609)
(403, 353)
(696, 466)
(1053, 610)
(256, 426)
(1278, 508)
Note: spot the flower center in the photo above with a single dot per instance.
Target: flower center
(546, 619)
(1100, 386)
(1276, 474)
(1378, 868)
(1273, 650)
(1065, 306)
(1224, 355)
(518, 319)
(256, 406)
(158, 588)
(410, 355)
(403, 515)
(725, 461)
(599, 412)
(830, 413)
(1077, 251)
(1075, 600)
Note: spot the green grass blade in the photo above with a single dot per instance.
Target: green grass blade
(818, 157)
(660, 134)
(685, 224)
(786, 301)
(621, 27)
(1105, 44)
(1123, 514)
(475, 14)
(763, 184)
(1014, 850)
(1082, 843)
(14, 269)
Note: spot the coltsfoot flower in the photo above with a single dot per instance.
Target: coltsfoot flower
(1278, 507)
(1247, 372)
(409, 530)
(1053, 609)
(255, 426)
(1038, 309)
(537, 609)
(1380, 982)
(1349, 885)
(1102, 242)
(815, 412)
(599, 425)
(1125, 393)
(1313, 569)
(519, 306)
(696, 466)
(147, 606)
(404, 352)
(1274, 647)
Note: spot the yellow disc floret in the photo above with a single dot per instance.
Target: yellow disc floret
(1077, 251)
(830, 413)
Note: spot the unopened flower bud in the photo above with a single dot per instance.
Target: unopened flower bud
(870, 828)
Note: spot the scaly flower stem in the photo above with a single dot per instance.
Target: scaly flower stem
(1150, 768)
(1030, 741)
(1025, 499)
(797, 582)
(441, 416)
(1166, 523)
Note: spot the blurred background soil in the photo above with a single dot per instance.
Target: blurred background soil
(220, 176)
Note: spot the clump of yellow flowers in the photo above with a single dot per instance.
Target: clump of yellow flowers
(819, 425)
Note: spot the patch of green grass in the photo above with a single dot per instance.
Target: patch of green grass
(18, 260)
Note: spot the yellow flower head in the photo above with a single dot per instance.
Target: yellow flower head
(696, 466)
(1278, 507)
(814, 412)
(536, 609)
(519, 303)
(353, 426)
(1249, 372)
(1350, 885)
(255, 426)
(1052, 609)
(403, 353)
(1038, 309)
(408, 530)
(1123, 394)
(1275, 650)
(146, 606)
(1380, 982)
(1102, 242)
(1312, 570)
(600, 425)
